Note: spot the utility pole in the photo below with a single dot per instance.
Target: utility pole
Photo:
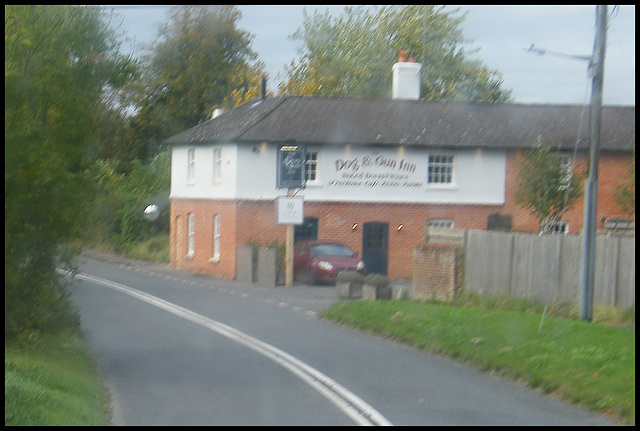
(591, 185)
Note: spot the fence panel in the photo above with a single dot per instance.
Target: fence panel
(487, 261)
(548, 267)
(570, 268)
(626, 287)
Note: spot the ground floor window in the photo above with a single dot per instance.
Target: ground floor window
(216, 238)
(556, 227)
(440, 224)
(191, 234)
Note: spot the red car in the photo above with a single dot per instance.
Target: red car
(321, 261)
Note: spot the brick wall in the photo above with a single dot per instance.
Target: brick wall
(204, 211)
(611, 173)
(437, 272)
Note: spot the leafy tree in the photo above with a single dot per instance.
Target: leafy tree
(352, 55)
(626, 192)
(200, 59)
(146, 184)
(58, 61)
(544, 187)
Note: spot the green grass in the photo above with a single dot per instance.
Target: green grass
(589, 364)
(52, 380)
(155, 249)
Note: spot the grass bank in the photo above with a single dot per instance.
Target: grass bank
(589, 364)
(51, 379)
(154, 249)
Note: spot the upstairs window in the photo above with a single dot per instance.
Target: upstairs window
(440, 171)
(311, 167)
(191, 165)
(217, 165)
(565, 164)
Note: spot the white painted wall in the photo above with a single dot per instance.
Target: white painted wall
(346, 173)
(204, 185)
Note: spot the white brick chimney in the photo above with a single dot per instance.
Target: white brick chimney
(406, 78)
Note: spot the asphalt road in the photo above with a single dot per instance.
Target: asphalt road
(183, 349)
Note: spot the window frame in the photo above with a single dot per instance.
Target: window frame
(315, 181)
(191, 165)
(556, 227)
(191, 235)
(566, 162)
(216, 238)
(448, 166)
(217, 165)
(440, 223)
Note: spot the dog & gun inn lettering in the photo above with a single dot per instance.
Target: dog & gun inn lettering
(376, 171)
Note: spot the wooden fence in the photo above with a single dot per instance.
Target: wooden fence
(547, 267)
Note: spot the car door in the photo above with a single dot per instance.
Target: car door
(300, 257)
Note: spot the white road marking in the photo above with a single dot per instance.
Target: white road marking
(354, 407)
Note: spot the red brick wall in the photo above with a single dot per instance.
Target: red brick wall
(611, 172)
(245, 221)
(336, 219)
(204, 211)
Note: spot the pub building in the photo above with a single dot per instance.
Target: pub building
(375, 173)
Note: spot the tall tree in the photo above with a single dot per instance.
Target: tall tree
(352, 54)
(200, 58)
(545, 186)
(625, 192)
(58, 61)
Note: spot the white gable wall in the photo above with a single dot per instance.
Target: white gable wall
(204, 185)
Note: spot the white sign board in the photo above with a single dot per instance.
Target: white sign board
(289, 210)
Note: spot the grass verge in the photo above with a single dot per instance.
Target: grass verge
(589, 364)
(51, 379)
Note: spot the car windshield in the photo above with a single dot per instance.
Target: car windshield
(331, 250)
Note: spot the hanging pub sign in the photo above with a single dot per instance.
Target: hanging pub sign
(291, 164)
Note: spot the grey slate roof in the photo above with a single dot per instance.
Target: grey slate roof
(321, 120)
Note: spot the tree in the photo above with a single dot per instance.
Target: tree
(58, 61)
(352, 55)
(200, 59)
(544, 186)
(625, 193)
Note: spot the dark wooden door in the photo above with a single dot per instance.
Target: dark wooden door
(375, 247)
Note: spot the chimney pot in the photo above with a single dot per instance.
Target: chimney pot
(402, 56)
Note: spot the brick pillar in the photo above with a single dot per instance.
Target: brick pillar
(437, 271)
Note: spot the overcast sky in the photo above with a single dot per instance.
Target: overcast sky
(503, 34)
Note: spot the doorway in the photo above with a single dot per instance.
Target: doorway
(375, 247)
